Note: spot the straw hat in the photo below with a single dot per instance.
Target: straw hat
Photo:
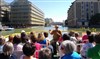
(23, 31)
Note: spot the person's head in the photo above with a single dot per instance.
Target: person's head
(71, 33)
(23, 34)
(10, 38)
(2, 41)
(29, 49)
(24, 37)
(45, 53)
(16, 39)
(33, 38)
(45, 34)
(66, 37)
(77, 34)
(8, 48)
(68, 47)
(97, 38)
(56, 27)
(88, 32)
(41, 36)
(91, 38)
(32, 33)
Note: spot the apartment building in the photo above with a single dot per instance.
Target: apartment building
(25, 14)
(4, 13)
(81, 11)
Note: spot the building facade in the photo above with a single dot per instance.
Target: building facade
(25, 14)
(48, 21)
(81, 11)
(4, 13)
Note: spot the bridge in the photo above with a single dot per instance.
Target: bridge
(57, 23)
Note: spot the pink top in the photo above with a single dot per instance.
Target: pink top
(85, 38)
(60, 40)
(38, 47)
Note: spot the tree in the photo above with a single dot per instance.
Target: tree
(66, 22)
(95, 20)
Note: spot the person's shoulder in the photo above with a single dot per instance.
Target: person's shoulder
(13, 56)
(37, 44)
(84, 36)
(34, 58)
(22, 56)
(90, 50)
(76, 55)
(1, 55)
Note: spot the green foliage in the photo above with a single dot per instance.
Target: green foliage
(95, 20)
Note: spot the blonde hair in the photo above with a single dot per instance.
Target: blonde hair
(41, 36)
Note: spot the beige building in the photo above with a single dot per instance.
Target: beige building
(81, 11)
(48, 21)
(4, 13)
(25, 14)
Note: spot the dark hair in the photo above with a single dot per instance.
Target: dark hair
(2, 41)
(91, 38)
(66, 37)
(31, 33)
(24, 37)
(97, 38)
(28, 49)
(46, 34)
(45, 53)
(23, 34)
(88, 32)
(16, 39)
(33, 38)
(76, 34)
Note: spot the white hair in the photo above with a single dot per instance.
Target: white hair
(68, 46)
(8, 48)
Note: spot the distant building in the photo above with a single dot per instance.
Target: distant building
(48, 21)
(4, 13)
(25, 14)
(57, 23)
(81, 11)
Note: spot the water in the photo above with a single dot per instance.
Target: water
(60, 28)
(35, 28)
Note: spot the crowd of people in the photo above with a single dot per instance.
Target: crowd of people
(69, 45)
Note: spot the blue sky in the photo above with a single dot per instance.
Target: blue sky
(55, 9)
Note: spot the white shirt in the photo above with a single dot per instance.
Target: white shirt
(23, 57)
(85, 48)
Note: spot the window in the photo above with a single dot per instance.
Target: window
(87, 9)
(92, 11)
(91, 2)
